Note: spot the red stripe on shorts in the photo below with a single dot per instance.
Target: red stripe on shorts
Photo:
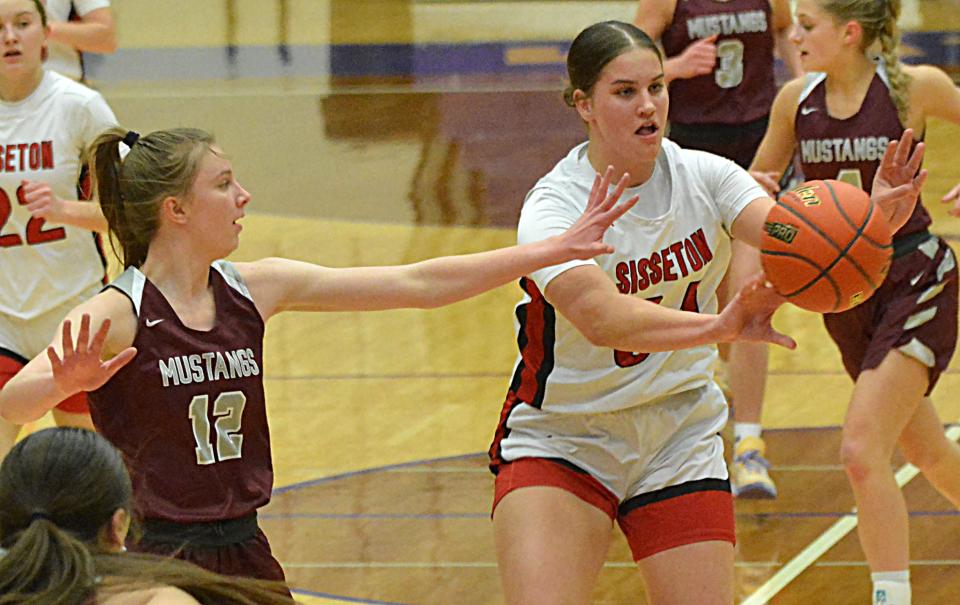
(701, 515)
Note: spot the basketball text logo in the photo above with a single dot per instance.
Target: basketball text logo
(781, 231)
(808, 195)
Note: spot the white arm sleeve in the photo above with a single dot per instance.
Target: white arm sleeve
(733, 187)
(547, 213)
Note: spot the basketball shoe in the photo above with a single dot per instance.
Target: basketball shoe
(749, 477)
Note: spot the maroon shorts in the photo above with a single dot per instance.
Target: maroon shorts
(688, 513)
(914, 311)
(11, 363)
(237, 548)
(738, 142)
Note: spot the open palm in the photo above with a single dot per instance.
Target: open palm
(81, 368)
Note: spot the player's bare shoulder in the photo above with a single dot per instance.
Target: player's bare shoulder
(113, 305)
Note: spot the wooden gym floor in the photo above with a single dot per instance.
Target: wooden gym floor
(380, 132)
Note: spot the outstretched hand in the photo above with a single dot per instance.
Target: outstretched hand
(749, 314)
(584, 239)
(899, 178)
(81, 367)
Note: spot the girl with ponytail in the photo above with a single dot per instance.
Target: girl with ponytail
(188, 411)
(65, 502)
(895, 345)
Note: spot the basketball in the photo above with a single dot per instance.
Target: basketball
(825, 246)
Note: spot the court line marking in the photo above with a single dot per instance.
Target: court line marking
(825, 541)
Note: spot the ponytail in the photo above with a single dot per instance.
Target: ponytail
(159, 165)
(46, 565)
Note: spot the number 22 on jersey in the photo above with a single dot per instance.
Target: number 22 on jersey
(228, 410)
(35, 232)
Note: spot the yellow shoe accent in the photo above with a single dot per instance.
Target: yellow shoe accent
(749, 475)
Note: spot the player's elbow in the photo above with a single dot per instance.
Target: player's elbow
(598, 332)
(107, 43)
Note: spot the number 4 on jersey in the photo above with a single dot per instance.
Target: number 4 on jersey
(626, 359)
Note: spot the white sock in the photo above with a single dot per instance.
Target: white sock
(746, 429)
(891, 587)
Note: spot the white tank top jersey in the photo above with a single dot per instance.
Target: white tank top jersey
(42, 138)
(673, 247)
(63, 58)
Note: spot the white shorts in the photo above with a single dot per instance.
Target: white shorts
(633, 451)
(29, 337)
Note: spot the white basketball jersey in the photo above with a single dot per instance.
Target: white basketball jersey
(672, 248)
(63, 58)
(42, 138)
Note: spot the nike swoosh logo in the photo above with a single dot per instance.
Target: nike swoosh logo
(152, 322)
(805, 111)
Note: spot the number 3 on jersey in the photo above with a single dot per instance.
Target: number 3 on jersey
(228, 408)
(626, 359)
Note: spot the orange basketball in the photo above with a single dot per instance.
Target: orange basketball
(825, 246)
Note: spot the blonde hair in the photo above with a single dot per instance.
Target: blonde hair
(161, 164)
(878, 18)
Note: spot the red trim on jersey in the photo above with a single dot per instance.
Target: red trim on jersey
(85, 192)
(498, 436)
(700, 516)
(541, 472)
(535, 340)
(8, 368)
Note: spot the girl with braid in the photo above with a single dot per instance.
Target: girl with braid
(896, 344)
(171, 353)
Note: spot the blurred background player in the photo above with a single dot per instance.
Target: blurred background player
(896, 344)
(719, 63)
(65, 512)
(189, 411)
(77, 27)
(50, 259)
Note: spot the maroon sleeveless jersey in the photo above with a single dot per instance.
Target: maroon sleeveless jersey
(188, 412)
(741, 87)
(851, 149)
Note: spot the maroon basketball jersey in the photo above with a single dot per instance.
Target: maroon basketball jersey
(851, 149)
(741, 87)
(188, 412)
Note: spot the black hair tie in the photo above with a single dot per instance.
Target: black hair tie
(130, 139)
(39, 514)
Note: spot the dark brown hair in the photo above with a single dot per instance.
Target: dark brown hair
(159, 165)
(42, 10)
(596, 46)
(59, 490)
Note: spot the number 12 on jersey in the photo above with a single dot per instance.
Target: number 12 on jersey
(228, 408)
